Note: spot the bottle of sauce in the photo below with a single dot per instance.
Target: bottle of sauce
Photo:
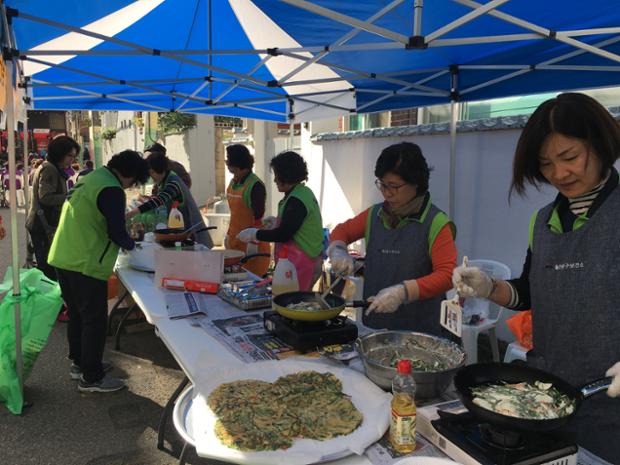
(175, 218)
(403, 418)
(284, 275)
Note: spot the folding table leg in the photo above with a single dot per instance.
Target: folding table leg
(161, 431)
(117, 344)
(183, 454)
(115, 308)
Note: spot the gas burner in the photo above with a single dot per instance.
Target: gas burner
(467, 440)
(502, 438)
(309, 335)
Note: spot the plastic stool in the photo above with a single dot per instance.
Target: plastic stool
(515, 351)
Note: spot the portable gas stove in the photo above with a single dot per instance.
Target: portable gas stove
(464, 438)
(307, 335)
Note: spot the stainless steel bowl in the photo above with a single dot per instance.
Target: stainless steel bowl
(378, 349)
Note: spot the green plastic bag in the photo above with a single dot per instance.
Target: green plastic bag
(40, 302)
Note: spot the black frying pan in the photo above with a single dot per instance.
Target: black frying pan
(496, 373)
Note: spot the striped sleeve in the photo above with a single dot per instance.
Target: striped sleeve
(171, 191)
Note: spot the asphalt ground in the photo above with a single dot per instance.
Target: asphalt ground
(64, 427)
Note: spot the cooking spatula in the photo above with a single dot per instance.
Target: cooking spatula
(451, 312)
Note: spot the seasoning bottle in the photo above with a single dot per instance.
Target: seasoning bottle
(284, 274)
(175, 218)
(403, 418)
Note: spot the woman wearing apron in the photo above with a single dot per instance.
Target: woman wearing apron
(170, 188)
(246, 196)
(410, 250)
(299, 225)
(571, 272)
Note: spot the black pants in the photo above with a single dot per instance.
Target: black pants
(41, 244)
(87, 305)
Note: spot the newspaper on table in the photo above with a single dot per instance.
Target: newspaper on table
(185, 304)
(247, 338)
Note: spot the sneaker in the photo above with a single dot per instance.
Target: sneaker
(75, 372)
(105, 384)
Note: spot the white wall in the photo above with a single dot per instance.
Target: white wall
(195, 150)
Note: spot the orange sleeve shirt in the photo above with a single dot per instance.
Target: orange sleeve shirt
(443, 254)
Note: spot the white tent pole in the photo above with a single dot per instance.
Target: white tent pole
(418, 6)
(10, 130)
(26, 164)
(454, 108)
(291, 135)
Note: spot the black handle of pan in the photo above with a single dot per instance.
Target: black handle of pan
(252, 255)
(358, 303)
(596, 386)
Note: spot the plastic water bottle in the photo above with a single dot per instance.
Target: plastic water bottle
(403, 418)
(284, 275)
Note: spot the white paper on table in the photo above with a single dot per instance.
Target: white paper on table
(369, 399)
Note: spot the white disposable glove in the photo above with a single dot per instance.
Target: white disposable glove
(270, 222)
(342, 263)
(389, 299)
(247, 235)
(251, 248)
(470, 281)
(614, 389)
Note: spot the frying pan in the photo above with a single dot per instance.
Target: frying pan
(496, 373)
(336, 305)
(238, 257)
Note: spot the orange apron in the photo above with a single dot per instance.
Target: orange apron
(241, 217)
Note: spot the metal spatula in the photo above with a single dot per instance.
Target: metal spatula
(451, 312)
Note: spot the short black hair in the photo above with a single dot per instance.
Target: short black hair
(59, 147)
(239, 156)
(130, 164)
(573, 115)
(405, 160)
(158, 162)
(156, 147)
(289, 167)
(89, 163)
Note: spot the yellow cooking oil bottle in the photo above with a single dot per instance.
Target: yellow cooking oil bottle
(175, 218)
(402, 420)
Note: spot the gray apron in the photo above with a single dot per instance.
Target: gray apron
(191, 212)
(393, 256)
(575, 292)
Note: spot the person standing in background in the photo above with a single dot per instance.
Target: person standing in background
(88, 168)
(90, 232)
(299, 225)
(175, 166)
(49, 190)
(246, 195)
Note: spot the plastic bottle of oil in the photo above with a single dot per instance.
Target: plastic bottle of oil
(175, 218)
(284, 275)
(403, 418)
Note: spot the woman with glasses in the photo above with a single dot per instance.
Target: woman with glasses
(571, 272)
(410, 250)
(299, 225)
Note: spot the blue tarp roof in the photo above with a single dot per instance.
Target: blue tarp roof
(519, 47)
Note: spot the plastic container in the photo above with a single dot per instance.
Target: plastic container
(403, 417)
(175, 218)
(284, 275)
(178, 246)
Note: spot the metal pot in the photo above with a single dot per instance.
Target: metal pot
(377, 349)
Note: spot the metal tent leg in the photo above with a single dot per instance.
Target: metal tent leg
(183, 455)
(161, 430)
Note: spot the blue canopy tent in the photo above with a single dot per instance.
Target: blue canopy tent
(298, 60)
